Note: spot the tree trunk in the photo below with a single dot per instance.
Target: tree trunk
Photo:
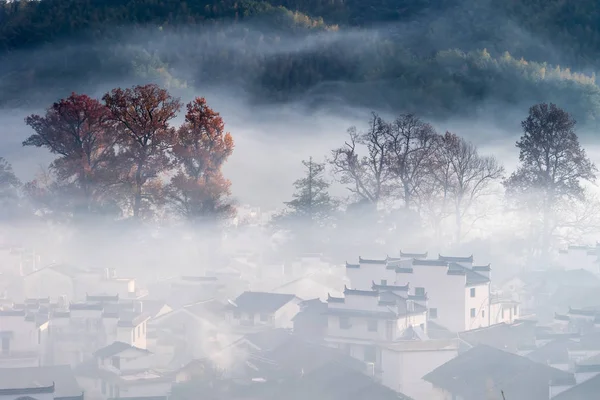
(137, 191)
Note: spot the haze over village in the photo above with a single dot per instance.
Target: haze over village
(293, 200)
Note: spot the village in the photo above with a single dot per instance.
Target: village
(402, 326)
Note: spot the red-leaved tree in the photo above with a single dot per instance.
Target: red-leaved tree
(142, 117)
(78, 129)
(201, 147)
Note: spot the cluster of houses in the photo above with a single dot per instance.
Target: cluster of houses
(410, 326)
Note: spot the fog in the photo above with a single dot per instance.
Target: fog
(226, 296)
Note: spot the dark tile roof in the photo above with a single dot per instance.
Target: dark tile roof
(455, 259)
(393, 288)
(261, 302)
(66, 385)
(508, 337)
(402, 270)
(352, 265)
(370, 261)
(586, 390)
(474, 373)
(331, 299)
(472, 277)
(115, 348)
(554, 352)
(356, 292)
(438, 263)
(484, 268)
(413, 255)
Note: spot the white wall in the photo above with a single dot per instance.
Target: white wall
(481, 305)
(446, 293)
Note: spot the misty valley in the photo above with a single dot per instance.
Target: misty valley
(299, 199)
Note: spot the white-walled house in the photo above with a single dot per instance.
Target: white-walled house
(55, 281)
(122, 370)
(580, 257)
(458, 296)
(362, 321)
(78, 329)
(252, 311)
(23, 338)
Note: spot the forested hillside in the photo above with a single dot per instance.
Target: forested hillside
(436, 57)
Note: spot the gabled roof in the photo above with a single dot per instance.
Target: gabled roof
(116, 348)
(508, 337)
(472, 277)
(261, 302)
(65, 384)
(586, 390)
(266, 340)
(63, 269)
(474, 373)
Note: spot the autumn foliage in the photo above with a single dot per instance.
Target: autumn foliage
(126, 151)
(201, 146)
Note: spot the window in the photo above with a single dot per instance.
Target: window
(516, 310)
(419, 291)
(345, 323)
(473, 292)
(483, 313)
(144, 328)
(264, 317)
(372, 325)
(139, 329)
(433, 313)
(236, 315)
(384, 282)
(5, 345)
(103, 387)
(503, 313)
(473, 314)
(116, 362)
(370, 354)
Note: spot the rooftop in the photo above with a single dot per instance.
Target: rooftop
(473, 374)
(468, 259)
(261, 302)
(34, 377)
(116, 348)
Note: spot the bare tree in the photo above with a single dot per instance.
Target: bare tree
(465, 175)
(553, 166)
(411, 143)
(368, 177)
